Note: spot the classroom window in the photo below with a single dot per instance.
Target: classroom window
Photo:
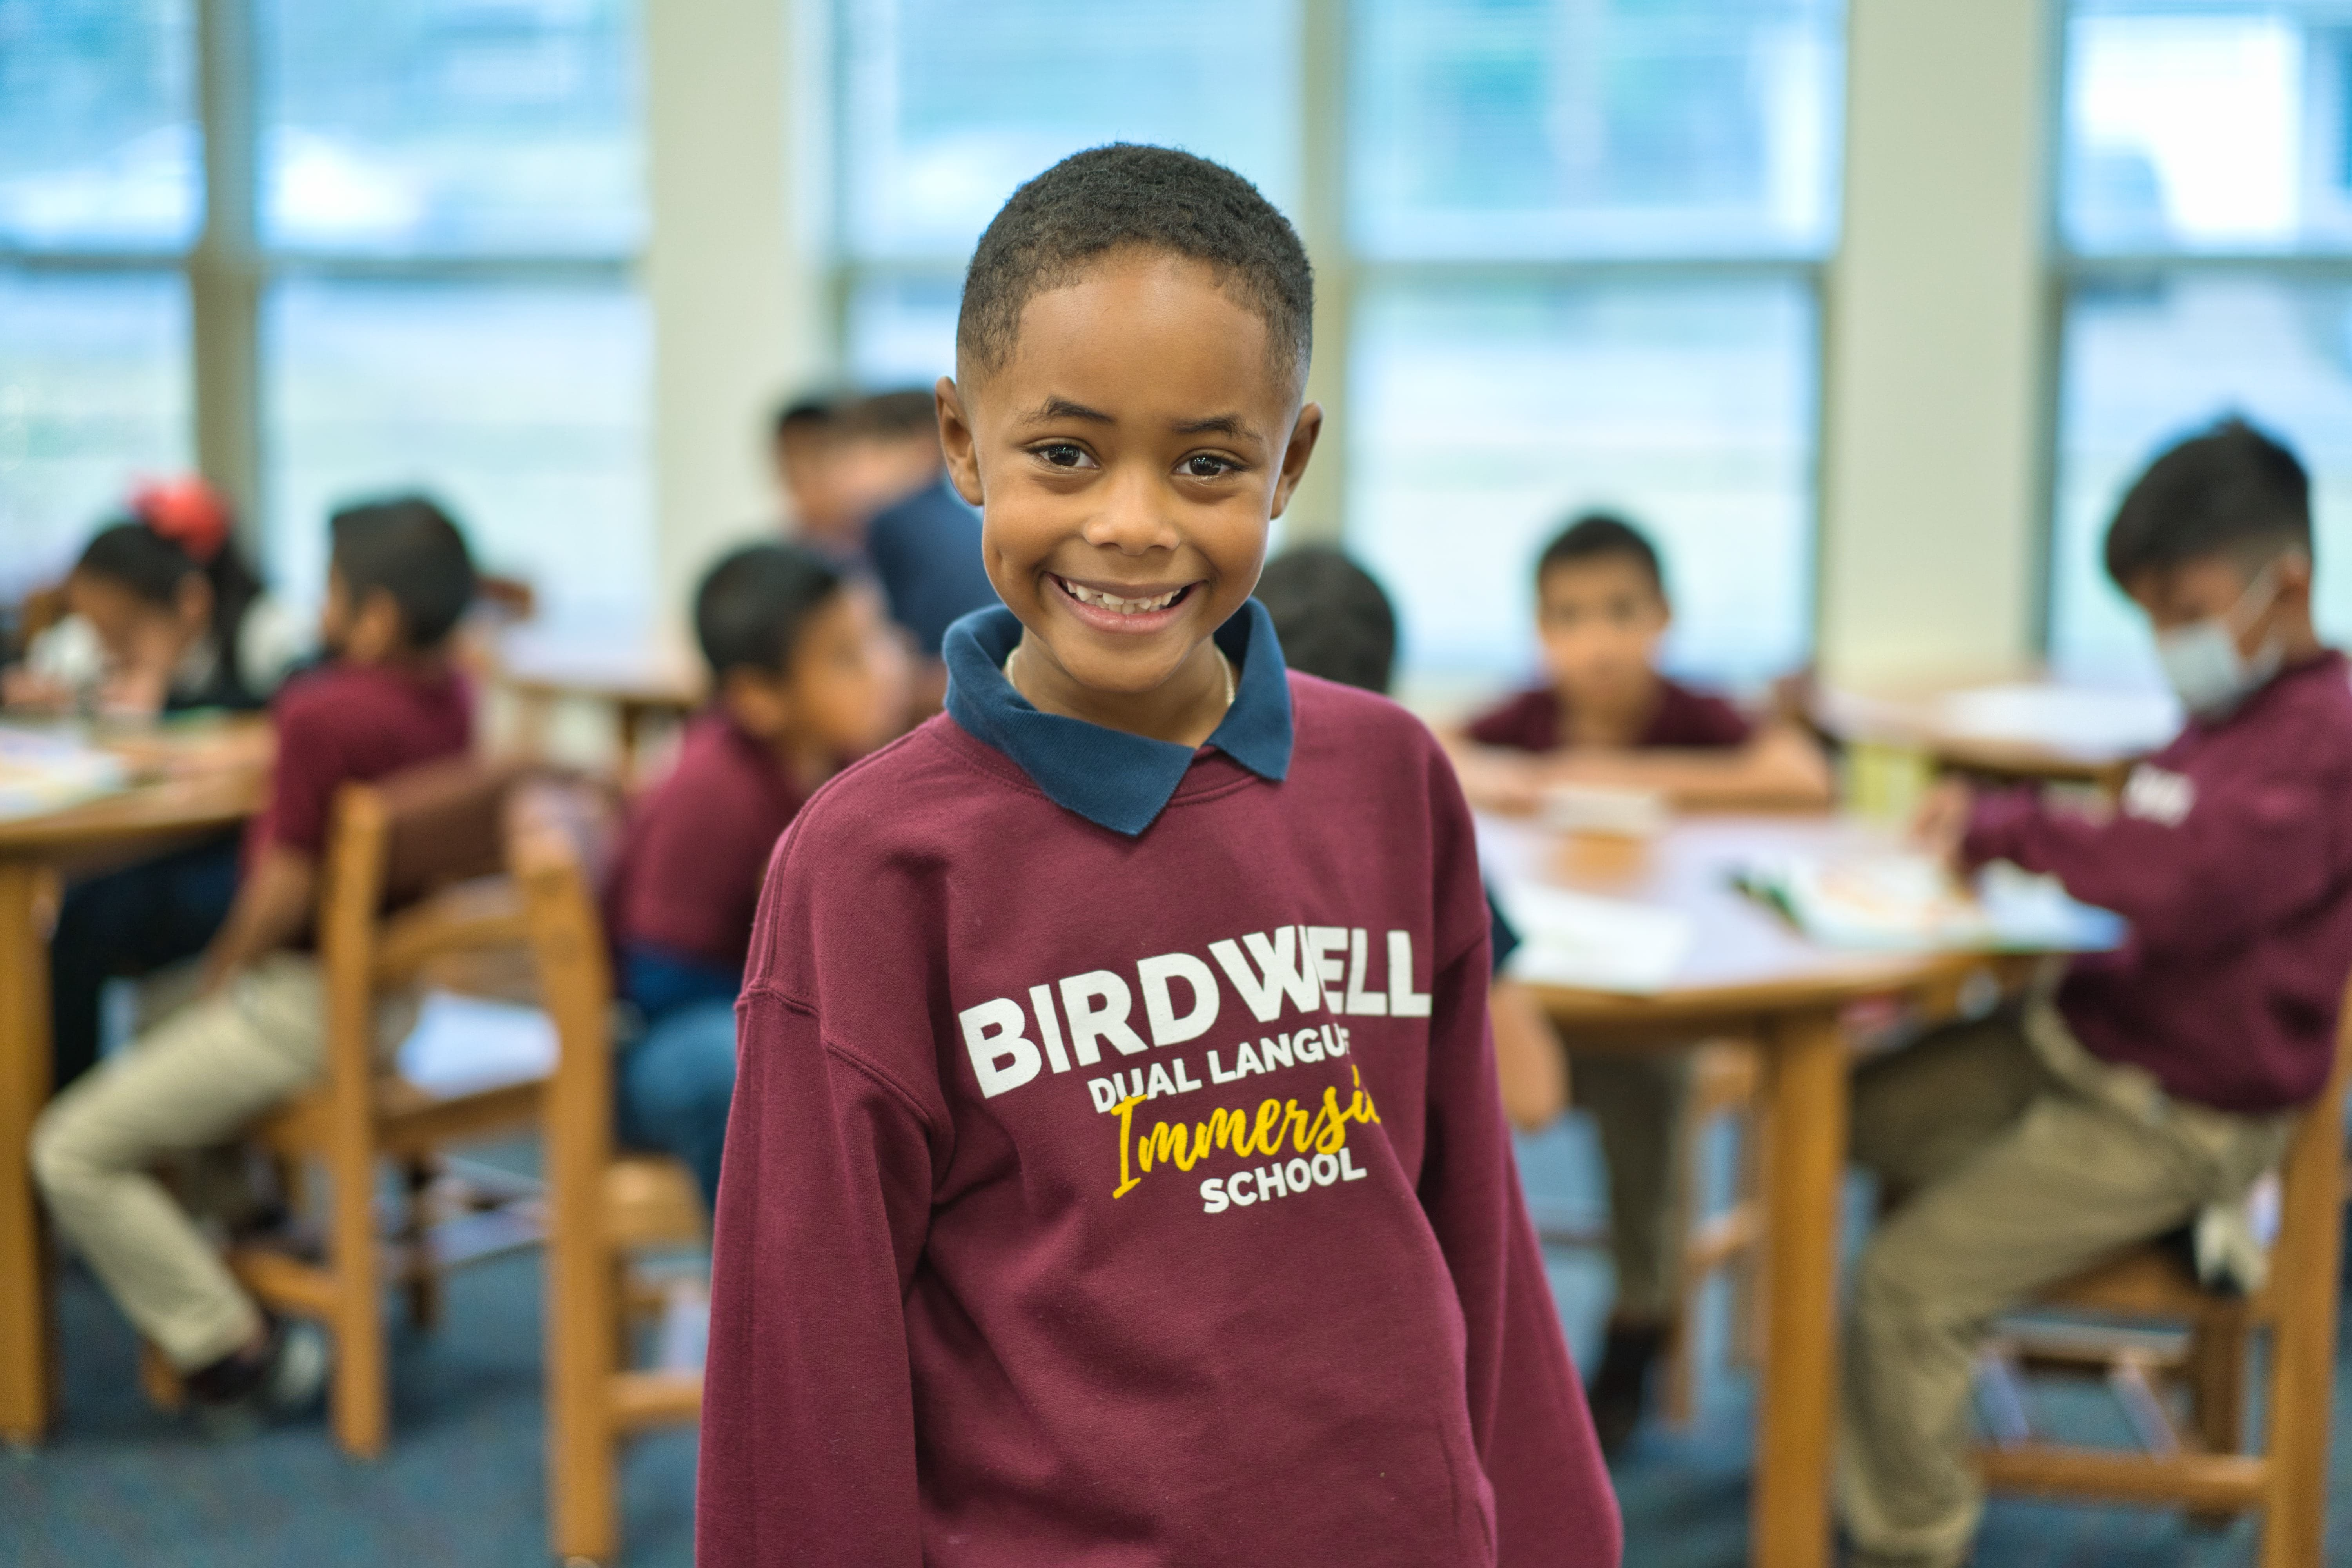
(1579, 240)
(446, 208)
(2205, 213)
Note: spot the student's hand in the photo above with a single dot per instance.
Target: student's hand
(1942, 820)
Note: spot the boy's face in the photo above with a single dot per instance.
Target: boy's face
(1601, 620)
(365, 633)
(843, 688)
(807, 466)
(1132, 448)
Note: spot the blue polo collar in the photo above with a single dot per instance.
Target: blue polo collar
(1111, 778)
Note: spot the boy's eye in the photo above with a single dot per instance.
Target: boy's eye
(1065, 455)
(1207, 465)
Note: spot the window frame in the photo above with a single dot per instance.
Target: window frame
(1343, 274)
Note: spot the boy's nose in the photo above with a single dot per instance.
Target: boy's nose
(1135, 514)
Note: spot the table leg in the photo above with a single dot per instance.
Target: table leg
(1804, 1131)
(26, 1393)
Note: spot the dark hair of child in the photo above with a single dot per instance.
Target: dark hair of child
(137, 555)
(754, 605)
(1330, 617)
(897, 416)
(409, 548)
(803, 417)
(1150, 198)
(2229, 490)
(1597, 535)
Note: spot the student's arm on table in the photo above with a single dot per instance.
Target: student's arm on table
(1780, 768)
(808, 1415)
(1495, 778)
(2247, 853)
(1529, 1060)
(272, 907)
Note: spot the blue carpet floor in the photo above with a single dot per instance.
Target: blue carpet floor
(120, 1484)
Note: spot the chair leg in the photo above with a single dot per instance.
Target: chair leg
(423, 1288)
(2217, 1381)
(587, 1329)
(358, 1400)
(2302, 1384)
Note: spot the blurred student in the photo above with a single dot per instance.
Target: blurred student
(165, 617)
(807, 677)
(2150, 1081)
(1607, 716)
(1335, 620)
(805, 457)
(923, 542)
(1025, 1252)
(399, 577)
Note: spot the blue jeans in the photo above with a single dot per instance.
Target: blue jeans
(671, 1088)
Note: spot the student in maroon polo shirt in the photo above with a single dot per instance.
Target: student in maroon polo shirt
(398, 579)
(1117, 1174)
(1607, 715)
(2150, 1081)
(807, 676)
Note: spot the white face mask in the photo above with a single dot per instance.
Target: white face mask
(2201, 661)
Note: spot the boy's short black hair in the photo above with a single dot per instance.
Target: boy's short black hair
(1331, 616)
(409, 548)
(803, 417)
(752, 606)
(1598, 535)
(1155, 198)
(2228, 491)
(898, 415)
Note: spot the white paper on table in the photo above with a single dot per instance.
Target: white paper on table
(465, 1044)
(43, 771)
(1592, 943)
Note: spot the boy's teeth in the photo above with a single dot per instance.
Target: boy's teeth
(1113, 602)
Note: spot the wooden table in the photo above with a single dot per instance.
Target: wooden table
(147, 817)
(639, 679)
(1749, 974)
(2033, 729)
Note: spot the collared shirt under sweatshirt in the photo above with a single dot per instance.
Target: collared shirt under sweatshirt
(2231, 854)
(1117, 1174)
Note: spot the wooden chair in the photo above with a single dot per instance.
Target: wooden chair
(601, 1207)
(428, 846)
(2204, 1467)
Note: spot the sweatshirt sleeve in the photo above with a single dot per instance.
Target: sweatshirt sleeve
(1553, 1503)
(808, 1424)
(2228, 858)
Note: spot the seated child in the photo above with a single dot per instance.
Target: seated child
(2155, 1079)
(806, 676)
(1608, 717)
(1334, 619)
(398, 581)
(1097, 1188)
(803, 448)
(167, 616)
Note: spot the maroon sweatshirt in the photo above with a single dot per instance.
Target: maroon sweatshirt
(2231, 854)
(1133, 1198)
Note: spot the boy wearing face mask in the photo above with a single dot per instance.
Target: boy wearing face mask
(2149, 1082)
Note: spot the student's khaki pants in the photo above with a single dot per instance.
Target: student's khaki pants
(1636, 1103)
(2024, 1160)
(191, 1082)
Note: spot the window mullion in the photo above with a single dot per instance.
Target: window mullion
(225, 269)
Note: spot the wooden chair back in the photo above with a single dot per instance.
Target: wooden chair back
(600, 1204)
(402, 887)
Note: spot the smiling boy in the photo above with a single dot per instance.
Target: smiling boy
(1117, 1172)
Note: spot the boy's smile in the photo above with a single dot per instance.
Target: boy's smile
(1129, 454)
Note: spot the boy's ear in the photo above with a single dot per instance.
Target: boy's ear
(1304, 433)
(755, 702)
(378, 629)
(958, 445)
